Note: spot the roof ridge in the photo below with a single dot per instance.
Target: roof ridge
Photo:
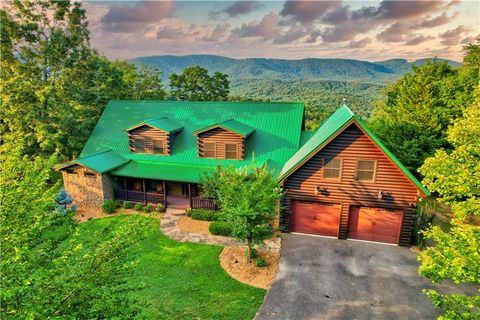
(96, 154)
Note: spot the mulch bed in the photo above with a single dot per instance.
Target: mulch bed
(233, 260)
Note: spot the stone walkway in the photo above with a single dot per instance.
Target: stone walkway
(168, 226)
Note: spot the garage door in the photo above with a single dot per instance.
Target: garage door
(315, 217)
(375, 224)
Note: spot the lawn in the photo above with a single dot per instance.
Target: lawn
(182, 280)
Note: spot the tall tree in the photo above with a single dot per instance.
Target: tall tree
(195, 84)
(455, 176)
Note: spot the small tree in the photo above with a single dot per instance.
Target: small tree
(62, 201)
(248, 197)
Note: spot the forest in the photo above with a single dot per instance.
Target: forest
(54, 86)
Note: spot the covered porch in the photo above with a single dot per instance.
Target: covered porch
(173, 194)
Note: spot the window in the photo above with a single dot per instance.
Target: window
(139, 145)
(332, 168)
(89, 174)
(158, 147)
(71, 170)
(230, 151)
(366, 170)
(209, 150)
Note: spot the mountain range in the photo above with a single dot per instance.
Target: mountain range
(280, 69)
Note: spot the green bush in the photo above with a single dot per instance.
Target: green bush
(127, 205)
(205, 215)
(160, 207)
(147, 208)
(264, 231)
(260, 262)
(109, 206)
(118, 203)
(138, 207)
(221, 228)
(188, 212)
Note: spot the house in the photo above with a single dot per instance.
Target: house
(339, 181)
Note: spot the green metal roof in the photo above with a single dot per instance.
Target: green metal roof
(162, 123)
(305, 136)
(232, 125)
(334, 124)
(277, 128)
(100, 162)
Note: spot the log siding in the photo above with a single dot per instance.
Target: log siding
(220, 137)
(352, 145)
(149, 134)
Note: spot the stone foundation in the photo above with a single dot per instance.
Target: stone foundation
(87, 188)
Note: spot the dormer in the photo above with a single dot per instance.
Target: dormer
(153, 136)
(224, 140)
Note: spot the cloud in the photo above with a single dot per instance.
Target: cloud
(396, 32)
(418, 39)
(393, 10)
(435, 22)
(240, 8)
(307, 11)
(469, 40)
(169, 32)
(267, 28)
(453, 37)
(131, 18)
(360, 43)
(217, 33)
(293, 34)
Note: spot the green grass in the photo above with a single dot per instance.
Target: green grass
(183, 280)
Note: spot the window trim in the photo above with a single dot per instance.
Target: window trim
(374, 176)
(236, 150)
(144, 144)
(340, 169)
(162, 142)
(89, 174)
(213, 150)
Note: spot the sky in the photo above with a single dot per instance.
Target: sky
(366, 30)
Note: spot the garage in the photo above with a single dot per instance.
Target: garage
(375, 224)
(315, 218)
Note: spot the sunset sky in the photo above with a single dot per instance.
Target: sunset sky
(368, 30)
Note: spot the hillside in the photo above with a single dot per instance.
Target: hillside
(279, 69)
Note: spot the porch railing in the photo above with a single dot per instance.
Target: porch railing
(138, 196)
(201, 203)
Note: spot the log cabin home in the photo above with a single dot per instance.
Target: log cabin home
(339, 181)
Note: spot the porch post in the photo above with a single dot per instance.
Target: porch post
(164, 192)
(190, 194)
(144, 192)
(125, 187)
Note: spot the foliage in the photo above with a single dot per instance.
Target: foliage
(62, 202)
(118, 204)
(455, 175)
(160, 207)
(248, 198)
(206, 215)
(109, 206)
(46, 269)
(53, 85)
(423, 220)
(260, 262)
(195, 84)
(138, 207)
(147, 208)
(127, 205)
(221, 228)
(419, 107)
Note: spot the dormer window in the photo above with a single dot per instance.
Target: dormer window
(224, 140)
(154, 136)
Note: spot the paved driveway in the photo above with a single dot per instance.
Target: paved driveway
(322, 278)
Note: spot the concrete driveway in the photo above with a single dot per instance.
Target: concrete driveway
(322, 278)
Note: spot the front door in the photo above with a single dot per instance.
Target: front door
(176, 188)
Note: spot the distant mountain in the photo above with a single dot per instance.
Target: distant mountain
(279, 69)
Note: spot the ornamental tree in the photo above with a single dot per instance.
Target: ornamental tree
(248, 197)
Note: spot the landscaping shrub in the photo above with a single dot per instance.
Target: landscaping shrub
(260, 262)
(265, 231)
(138, 207)
(118, 203)
(221, 228)
(147, 208)
(160, 207)
(127, 205)
(109, 206)
(205, 215)
(188, 212)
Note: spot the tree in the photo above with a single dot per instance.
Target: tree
(195, 84)
(455, 176)
(141, 83)
(248, 197)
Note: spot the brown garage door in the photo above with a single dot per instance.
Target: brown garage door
(375, 224)
(315, 217)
